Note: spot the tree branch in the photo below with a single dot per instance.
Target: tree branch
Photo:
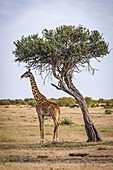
(56, 86)
(62, 84)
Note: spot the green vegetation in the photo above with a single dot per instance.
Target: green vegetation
(108, 111)
(107, 104)
(62, 102)
(93, 105)
(6, 106)
(12, 102)
(66, 122)
(18, 102)
(88, 100)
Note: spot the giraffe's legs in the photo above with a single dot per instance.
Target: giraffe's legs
(57, 132)
(41, 121)
(56, 126)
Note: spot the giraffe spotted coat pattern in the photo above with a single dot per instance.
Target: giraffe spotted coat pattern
(44, 107)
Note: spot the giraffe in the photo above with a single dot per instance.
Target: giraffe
(44, 108)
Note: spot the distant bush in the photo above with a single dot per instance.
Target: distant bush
(88, 100)
(108, 105)
(20, 101)
(32, 102)
(26, 99)
(97, 105)
(108, 111)
(102, 100)
(93, 105)
(62, 102)
(4, 102)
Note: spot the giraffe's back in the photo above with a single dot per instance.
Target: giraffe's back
(49, 109)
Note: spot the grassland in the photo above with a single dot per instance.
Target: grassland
(20, 148)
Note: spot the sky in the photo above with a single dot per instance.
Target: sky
(26, 17)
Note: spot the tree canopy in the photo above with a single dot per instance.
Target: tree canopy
(66, 50)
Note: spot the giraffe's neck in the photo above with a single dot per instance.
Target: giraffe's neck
(36, 93)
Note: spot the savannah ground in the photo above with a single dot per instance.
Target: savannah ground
(20, 148)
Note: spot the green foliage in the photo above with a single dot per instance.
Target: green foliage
(109, 104)
(6, 106)
(101, 101)
(20, 102)
(88, 100)
(93, 105)
(108, 111)
(66, 122)
(26, 99)
(32, 102)
(64, 101)
(4, 102)
(17, 102)
(97, 105)
(74, 46)
(12, 102)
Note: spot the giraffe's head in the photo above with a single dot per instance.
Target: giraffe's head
(27, 74)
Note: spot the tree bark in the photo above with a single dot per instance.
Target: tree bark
(91, 131)
(67, 86)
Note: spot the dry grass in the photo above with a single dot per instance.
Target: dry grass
(19, 137)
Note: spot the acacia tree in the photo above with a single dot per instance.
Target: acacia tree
(62, 53)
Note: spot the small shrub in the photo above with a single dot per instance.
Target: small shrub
(93, 105)
(108, 105)
(48, 134)
(103, 130)
(6, 106)
(97, 105)
(88, 100)
(108, 111)
(18, 104)
(66, 122)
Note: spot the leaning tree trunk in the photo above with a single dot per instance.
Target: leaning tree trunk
(89, 126)
(66, 84)
(91, 131)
